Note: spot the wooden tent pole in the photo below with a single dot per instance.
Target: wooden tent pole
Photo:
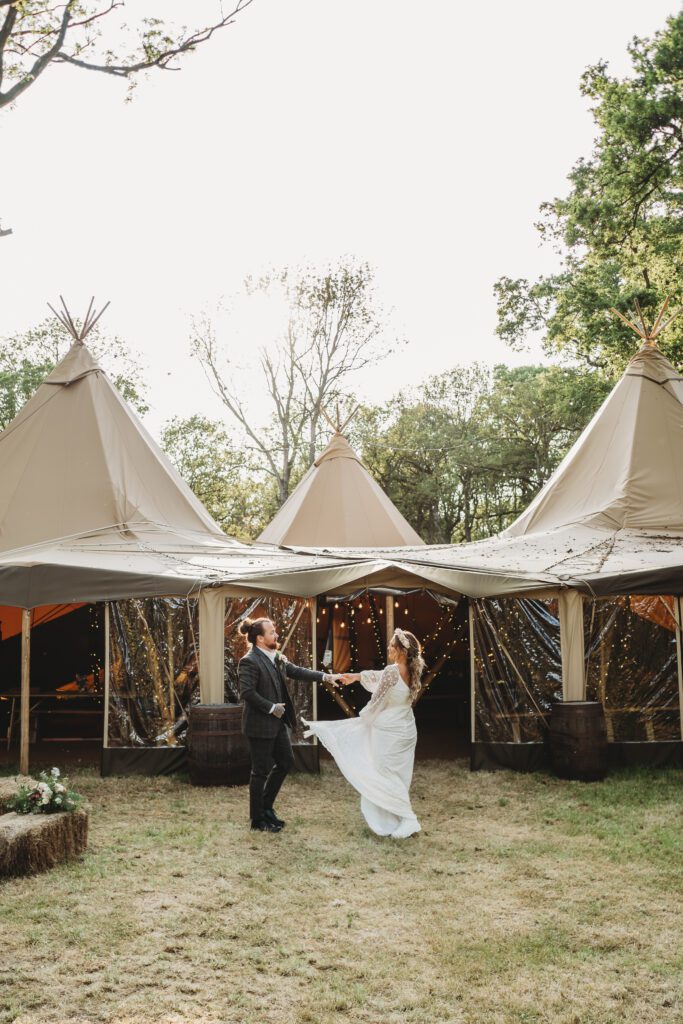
(679, 661)
(389, 606)
(25, 688)
(314, 658)
(473, 674)
(105, 738)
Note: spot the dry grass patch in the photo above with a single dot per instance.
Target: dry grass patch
(525, 899)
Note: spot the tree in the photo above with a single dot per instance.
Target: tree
(534, 415)
(27, 358)
(463, 455)
(619, 231)
(427, 449)
(214, 467)
(93, 35)
(332, 332)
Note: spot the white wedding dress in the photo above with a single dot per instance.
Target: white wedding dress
(376, 751)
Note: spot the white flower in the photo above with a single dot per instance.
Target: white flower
(59, 788)
(58, 799)
(55, 773)
(46, 798)
(43, 788)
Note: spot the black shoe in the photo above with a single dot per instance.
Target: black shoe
(263, 825)
(270, 815)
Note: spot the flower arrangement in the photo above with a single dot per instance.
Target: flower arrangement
(47, 797)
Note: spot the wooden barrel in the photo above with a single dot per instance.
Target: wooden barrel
(578, 740)
(217, 751)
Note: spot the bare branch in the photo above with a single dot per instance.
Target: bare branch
(160, 60)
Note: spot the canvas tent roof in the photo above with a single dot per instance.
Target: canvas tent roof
(626, 469)
(76, 460)
(339, 504)
(91, 508)
(610, 518)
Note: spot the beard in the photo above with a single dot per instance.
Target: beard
(270, 644)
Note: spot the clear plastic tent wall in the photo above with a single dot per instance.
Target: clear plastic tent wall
(631, 651)
(632, 666)
(153, 670)
(517, 668)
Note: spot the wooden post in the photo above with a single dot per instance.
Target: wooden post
(680, 662)
(390, 618)
(25, 687)
(314, 657)
(473, 682)
(105, 738)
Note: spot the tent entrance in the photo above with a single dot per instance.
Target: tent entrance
(352, 635)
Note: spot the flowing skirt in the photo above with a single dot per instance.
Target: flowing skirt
(376, 756)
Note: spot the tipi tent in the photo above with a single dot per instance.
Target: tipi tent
(339, 504)
(608, 529)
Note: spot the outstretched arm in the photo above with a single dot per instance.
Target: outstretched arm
(388, 679)
(370, 679)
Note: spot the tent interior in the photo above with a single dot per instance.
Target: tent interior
(67, 682)
(352, 635)
(632, 664)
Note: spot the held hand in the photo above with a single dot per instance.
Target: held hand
(348, 677)
(278, 710)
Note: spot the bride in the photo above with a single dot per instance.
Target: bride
(375, 751)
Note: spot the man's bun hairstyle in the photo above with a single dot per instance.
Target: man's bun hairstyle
(251, 628)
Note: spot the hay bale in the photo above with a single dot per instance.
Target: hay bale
(9, 786)
(36, 842)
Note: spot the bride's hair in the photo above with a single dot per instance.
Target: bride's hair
(406, 641)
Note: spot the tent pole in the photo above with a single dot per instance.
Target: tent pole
(105, 738)
(211, 645)
(389, 605)
(473, 717)
(314, 656)
(25, 687)
(570, 610)
(679, 660)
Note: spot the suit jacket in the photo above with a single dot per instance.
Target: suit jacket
(264, 683)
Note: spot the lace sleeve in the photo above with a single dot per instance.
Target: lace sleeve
(388, 678)
(370, 679)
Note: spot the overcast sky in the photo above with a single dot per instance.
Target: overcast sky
(419, 137)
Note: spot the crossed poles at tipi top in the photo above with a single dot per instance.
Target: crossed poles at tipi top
(89, 321)
(648, 334)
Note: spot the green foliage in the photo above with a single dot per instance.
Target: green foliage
(620, 228)
(26, 359)
(219, 472)
(463, 455)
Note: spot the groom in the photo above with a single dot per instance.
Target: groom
(267, 717)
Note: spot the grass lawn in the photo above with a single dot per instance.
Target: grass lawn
(525, 899)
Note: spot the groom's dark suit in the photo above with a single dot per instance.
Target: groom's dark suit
(262, 684)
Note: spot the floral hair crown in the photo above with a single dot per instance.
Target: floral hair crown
(402, 639)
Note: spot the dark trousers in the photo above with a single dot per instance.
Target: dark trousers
(271, 760)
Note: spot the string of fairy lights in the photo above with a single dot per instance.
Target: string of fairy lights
(361, 612)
